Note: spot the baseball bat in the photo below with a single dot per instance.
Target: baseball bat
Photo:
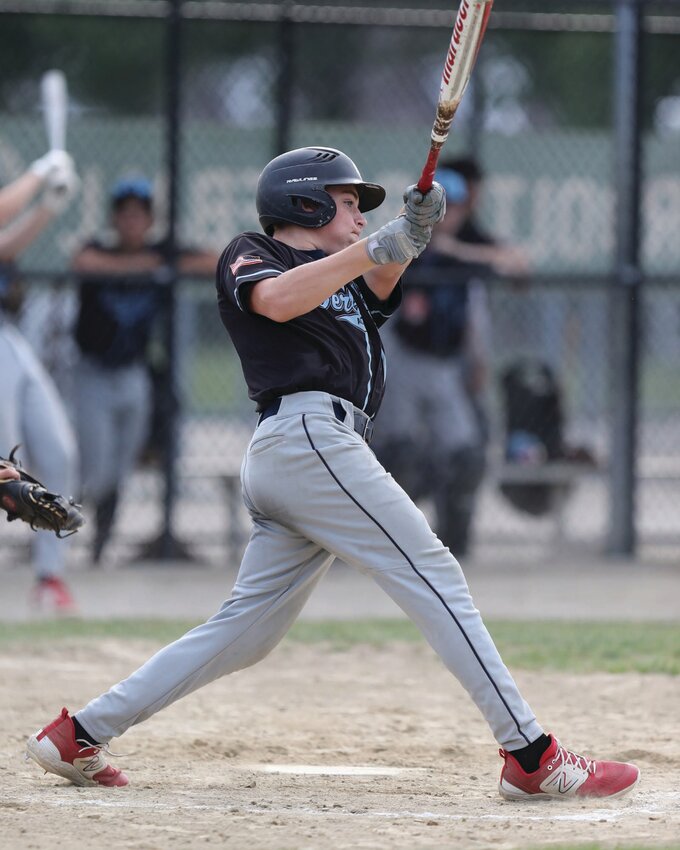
(54, 98)
(468, 31)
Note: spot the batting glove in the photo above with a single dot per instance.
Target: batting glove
(426, 209)
(50, 162)
(62, 187)
(398, 241)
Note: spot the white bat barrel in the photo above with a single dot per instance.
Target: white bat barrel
(55, 103)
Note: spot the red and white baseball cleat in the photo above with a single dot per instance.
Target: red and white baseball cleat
(56, 750)
(564, 774)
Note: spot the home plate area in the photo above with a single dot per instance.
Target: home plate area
(366, 748)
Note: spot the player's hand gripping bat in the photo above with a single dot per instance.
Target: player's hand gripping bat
(57, 165)
(468, 32)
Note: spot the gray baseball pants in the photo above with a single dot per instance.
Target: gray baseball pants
(113, 411)
(316, 491)
(32, 414)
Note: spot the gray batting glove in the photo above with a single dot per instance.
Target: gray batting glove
(426, 209)
(398, 241)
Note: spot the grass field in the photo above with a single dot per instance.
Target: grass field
(562, 646)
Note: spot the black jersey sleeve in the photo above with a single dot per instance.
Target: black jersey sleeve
(246, 260)
(381, 310)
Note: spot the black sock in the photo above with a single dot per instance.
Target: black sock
(82, 734)
(529, 757)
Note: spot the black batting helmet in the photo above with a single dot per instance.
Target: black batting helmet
(302, 175)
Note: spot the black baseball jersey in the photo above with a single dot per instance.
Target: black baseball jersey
(116, 315)
(335, 348)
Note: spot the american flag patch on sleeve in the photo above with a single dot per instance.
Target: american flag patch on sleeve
(244, 260)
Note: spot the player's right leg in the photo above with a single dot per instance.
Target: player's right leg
(278, 572)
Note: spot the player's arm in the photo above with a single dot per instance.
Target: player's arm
(19, 235)
(200, 263)
(381, 280)
(17, 194)
(380, 259)
(92, 260)
(503, 259)
(300, 290)
(14, 197)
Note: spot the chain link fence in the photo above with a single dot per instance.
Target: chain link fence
(256, 78)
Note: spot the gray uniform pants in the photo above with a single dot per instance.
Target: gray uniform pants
(315, 491)
(113, 407)
(31, 413)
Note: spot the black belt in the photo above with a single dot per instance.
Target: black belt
(362, 424)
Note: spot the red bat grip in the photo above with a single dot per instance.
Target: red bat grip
(427, 177)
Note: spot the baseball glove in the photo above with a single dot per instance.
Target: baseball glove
(27, 499)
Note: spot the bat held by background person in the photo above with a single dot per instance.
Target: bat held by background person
(468, 31)
(54, 97)
(56, 167)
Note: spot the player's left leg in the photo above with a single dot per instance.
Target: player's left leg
(51, 453)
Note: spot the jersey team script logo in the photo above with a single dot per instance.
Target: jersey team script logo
(244, 260)
(343, 302)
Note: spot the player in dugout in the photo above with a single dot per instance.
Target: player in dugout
(30, 398)
(302, 303)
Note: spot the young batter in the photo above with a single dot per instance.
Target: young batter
(303, 303)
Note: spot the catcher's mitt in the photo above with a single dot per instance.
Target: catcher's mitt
(27, 499)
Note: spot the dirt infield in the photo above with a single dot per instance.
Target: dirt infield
(316, 748)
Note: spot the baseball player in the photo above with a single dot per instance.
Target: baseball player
(303, 303)
(119, 301)
(31, 412)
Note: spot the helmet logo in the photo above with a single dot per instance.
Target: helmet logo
(300, 179)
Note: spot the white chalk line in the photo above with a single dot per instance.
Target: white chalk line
(659, 803)
(333, 770)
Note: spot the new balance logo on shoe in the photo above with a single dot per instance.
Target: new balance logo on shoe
(564, 782)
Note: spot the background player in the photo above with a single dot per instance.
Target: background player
(303, 303)
(119, 302)
(434, 425)
(431, 435)
(31, 412)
